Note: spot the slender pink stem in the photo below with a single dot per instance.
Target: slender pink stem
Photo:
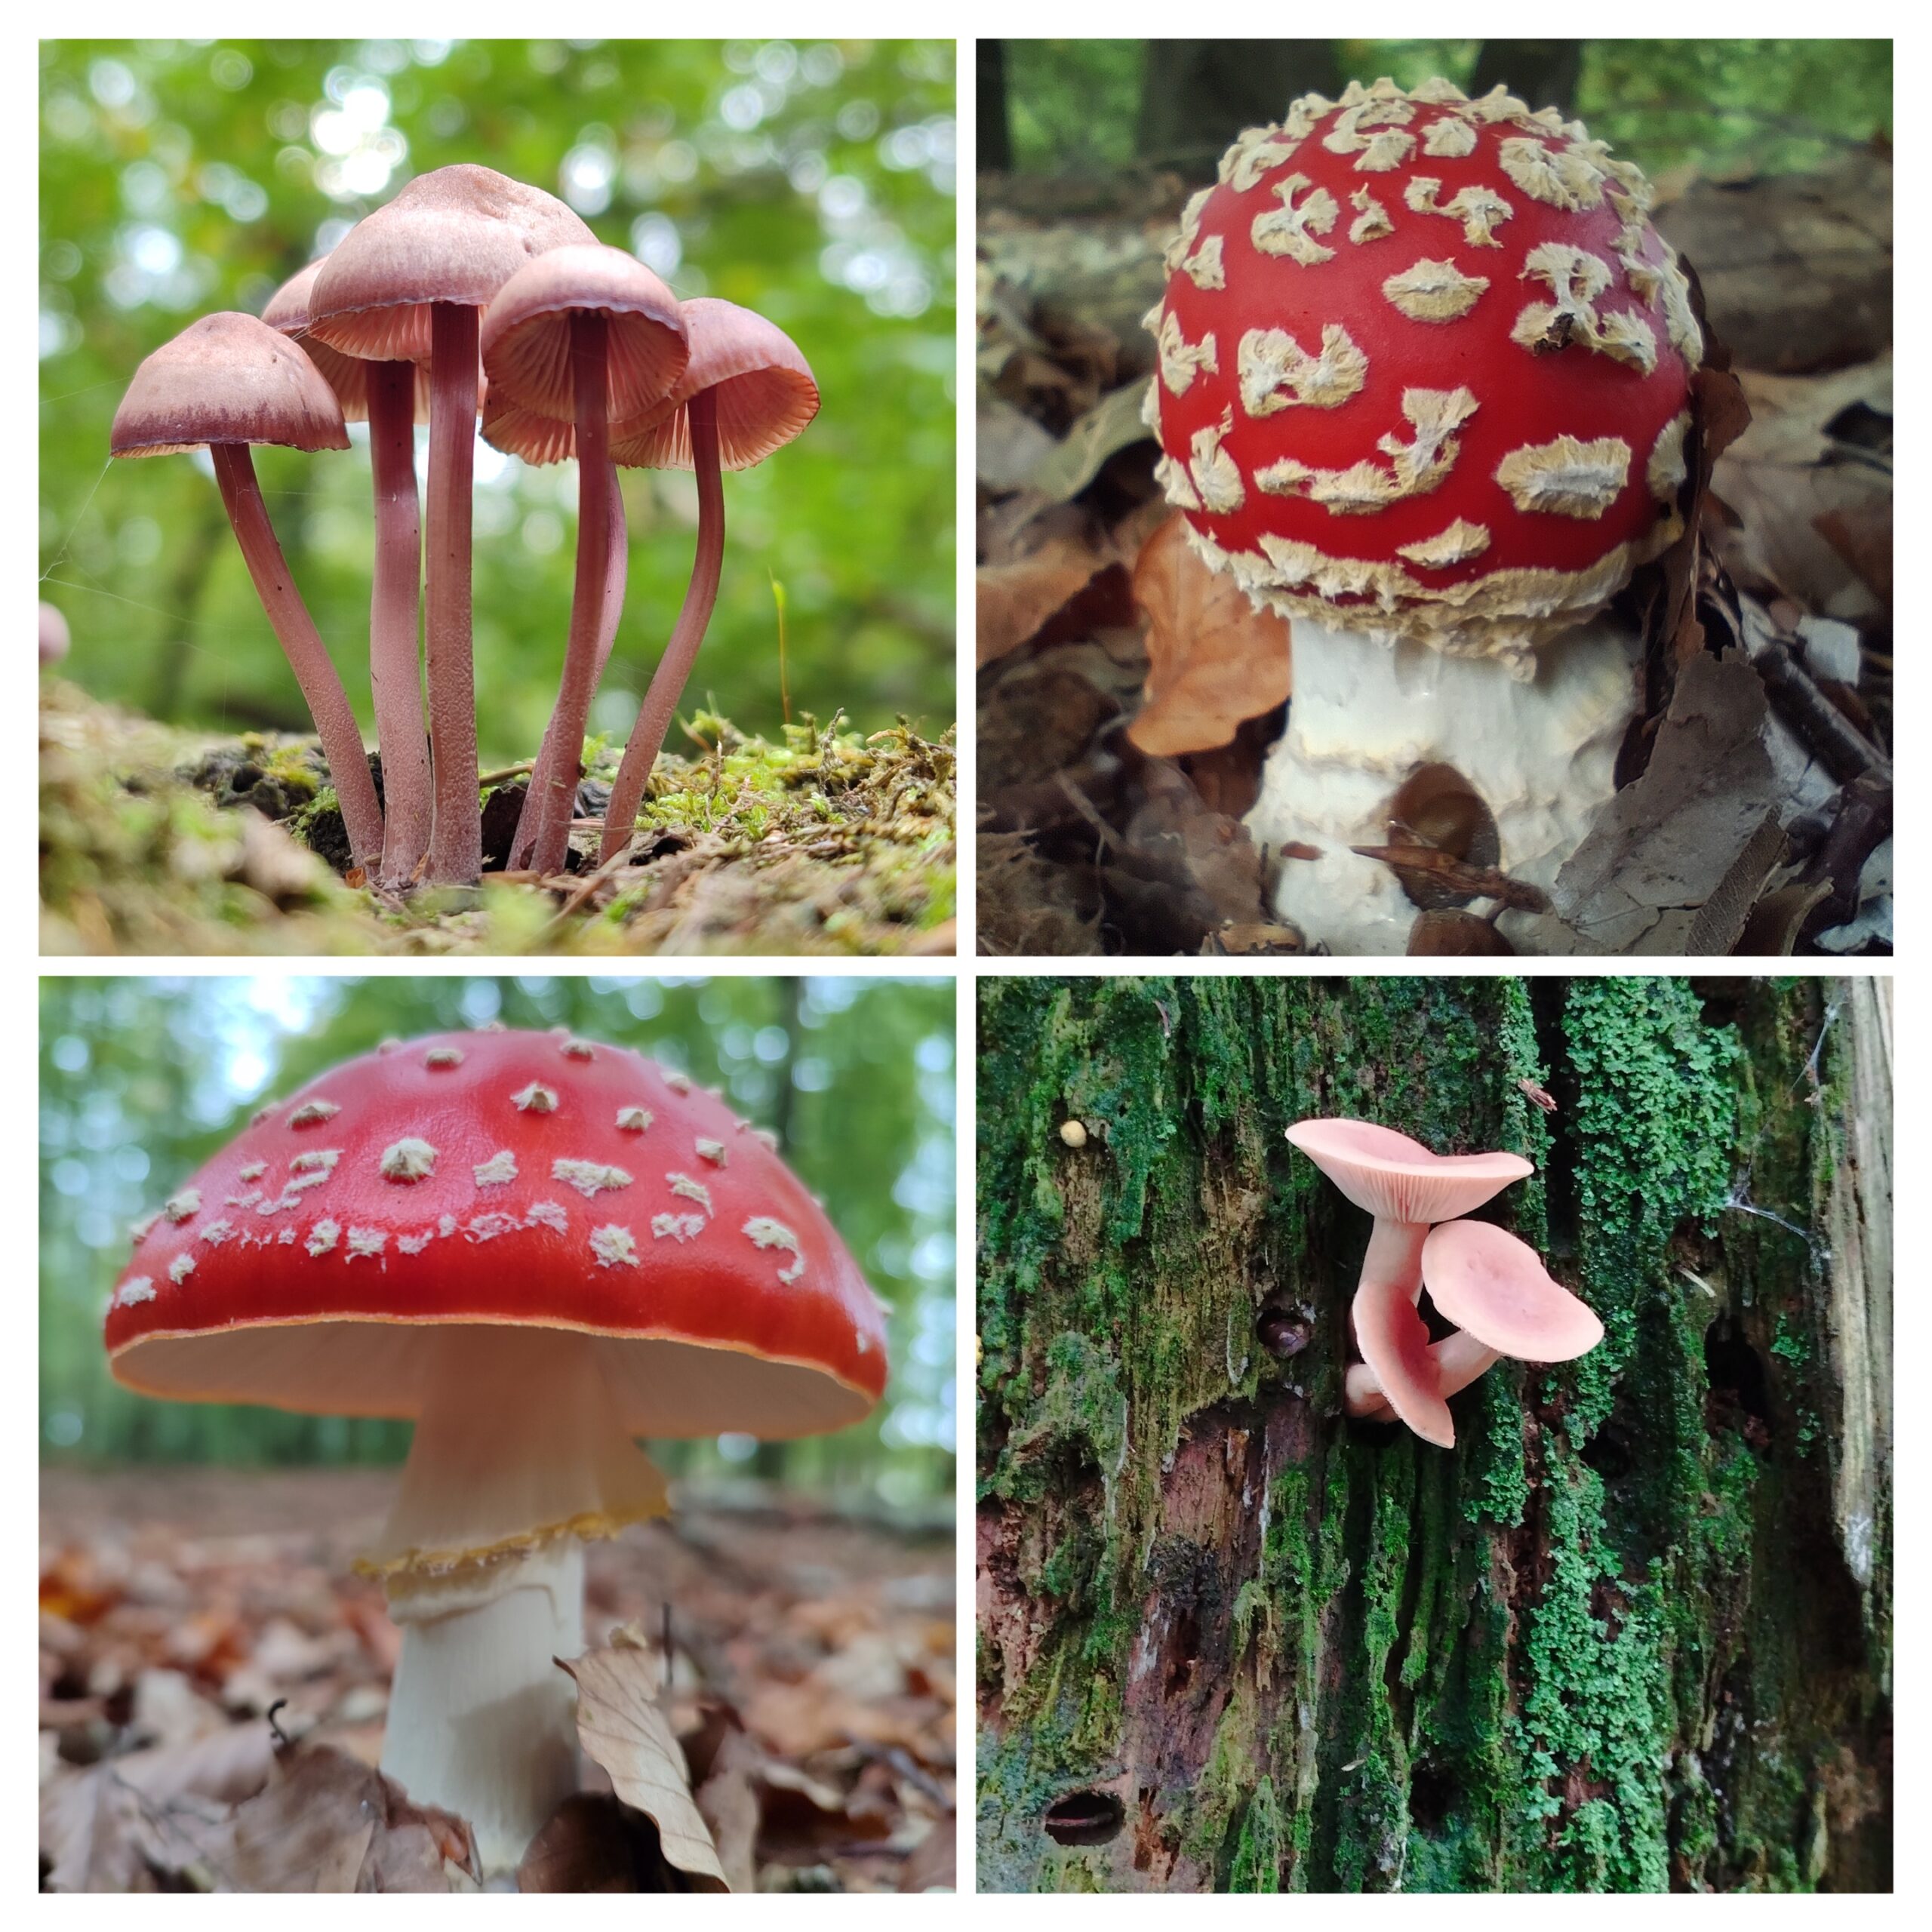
(667, 682)
(616, 573)
(456, 840)
(554, 804)
(395, 675)
(302, 645)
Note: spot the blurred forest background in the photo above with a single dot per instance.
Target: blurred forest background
(1084, 107)
(812, 182)
(141, 1079)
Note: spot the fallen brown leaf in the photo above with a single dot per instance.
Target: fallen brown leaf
(1017, 600)
(624, 1728)
(1214, 660)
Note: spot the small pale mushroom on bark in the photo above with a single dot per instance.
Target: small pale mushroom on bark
(537, 1248)
(1407, 1189)
(224, 383)
(1424, 390)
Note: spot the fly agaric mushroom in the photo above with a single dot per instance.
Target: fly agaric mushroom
(391, 397)
(1497, 1291)
(537, 1246)
(745, 392)
(1424, 390)
(224, 382)
(408, 283)
(589, 336)
(1407, 1189)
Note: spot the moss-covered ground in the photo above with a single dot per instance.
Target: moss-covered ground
(156, 840)
(1581, 1651)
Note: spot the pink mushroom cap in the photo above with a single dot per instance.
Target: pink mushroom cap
(1496, 1288)
(1394, 1178)
(1394, 1341)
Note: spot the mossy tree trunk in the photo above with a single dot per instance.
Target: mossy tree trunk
(1633, 1632)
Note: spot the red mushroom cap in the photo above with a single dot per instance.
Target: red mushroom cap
(229, 378)
(1424, 368)
(455, 234)
(526, 334)
(1496, 1288)
(506, 1178)
(1395, 1178)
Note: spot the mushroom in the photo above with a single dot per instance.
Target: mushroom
(408, 283)
(1424, 390)
(392, 398)
(1498, 1292)
(224, 382)
(584, 336)
(747, 392)
(1407, 1189)
(54, 639)
(537, 1246)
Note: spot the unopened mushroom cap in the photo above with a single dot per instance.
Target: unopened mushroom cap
(1387, 1174)
(456, 235)
(288, 310)
(1459, 1359)
(765, 392)
(526, 332)
(512, 1178)
(1424, 368)
(1496, 1287)
(228, 378)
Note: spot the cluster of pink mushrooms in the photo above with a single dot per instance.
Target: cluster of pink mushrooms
(470, 294)
(1494, 1287)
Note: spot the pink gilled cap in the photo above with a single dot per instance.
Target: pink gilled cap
(1394, 1341)
(1395, 1178)
(1496, 1288)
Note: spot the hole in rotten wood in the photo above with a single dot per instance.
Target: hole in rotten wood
(1085, 1817)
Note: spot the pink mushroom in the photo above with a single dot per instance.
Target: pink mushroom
(1498, 1291)
(1407, 1189)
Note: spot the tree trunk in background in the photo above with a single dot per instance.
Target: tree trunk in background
(1542, 72)
(1633, 1633)
(1197, 95)
(992, 127)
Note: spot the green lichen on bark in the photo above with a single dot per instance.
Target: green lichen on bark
(1312, 1655)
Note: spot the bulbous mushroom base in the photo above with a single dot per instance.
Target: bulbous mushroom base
(1541, 753)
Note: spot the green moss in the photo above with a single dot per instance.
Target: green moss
(1257, 1864)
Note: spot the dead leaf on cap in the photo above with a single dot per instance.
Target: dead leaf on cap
(624, 1728)
(1214, 660)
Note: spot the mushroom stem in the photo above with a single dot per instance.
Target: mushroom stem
(616, 572)
(667, 682)
(302, 643)
(395, 676)
(1540, 752)
(553, 803)
(520, 1453)
(1393, 1337)
(455, 842)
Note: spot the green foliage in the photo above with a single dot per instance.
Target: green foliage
(813, 182)
(1777, 106)
(141, 1079)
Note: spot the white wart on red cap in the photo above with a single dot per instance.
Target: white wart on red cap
(1424, 368)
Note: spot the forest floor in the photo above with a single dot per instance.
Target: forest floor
(810, 1685)
(156, 840)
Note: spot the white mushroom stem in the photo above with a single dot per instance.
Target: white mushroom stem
(520, 1453)
(1460, 1360)
(1541, 752)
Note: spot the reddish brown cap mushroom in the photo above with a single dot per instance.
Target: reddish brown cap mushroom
(288, 310)
(763, 389)
(1496, 1288)
(228, 378)
(226, 382)
(1395, 1178)
(537, 1246)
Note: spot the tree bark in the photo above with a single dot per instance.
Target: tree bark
(1632, 1633)
(1197, 95)
(1541, 72)
(993, 126)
